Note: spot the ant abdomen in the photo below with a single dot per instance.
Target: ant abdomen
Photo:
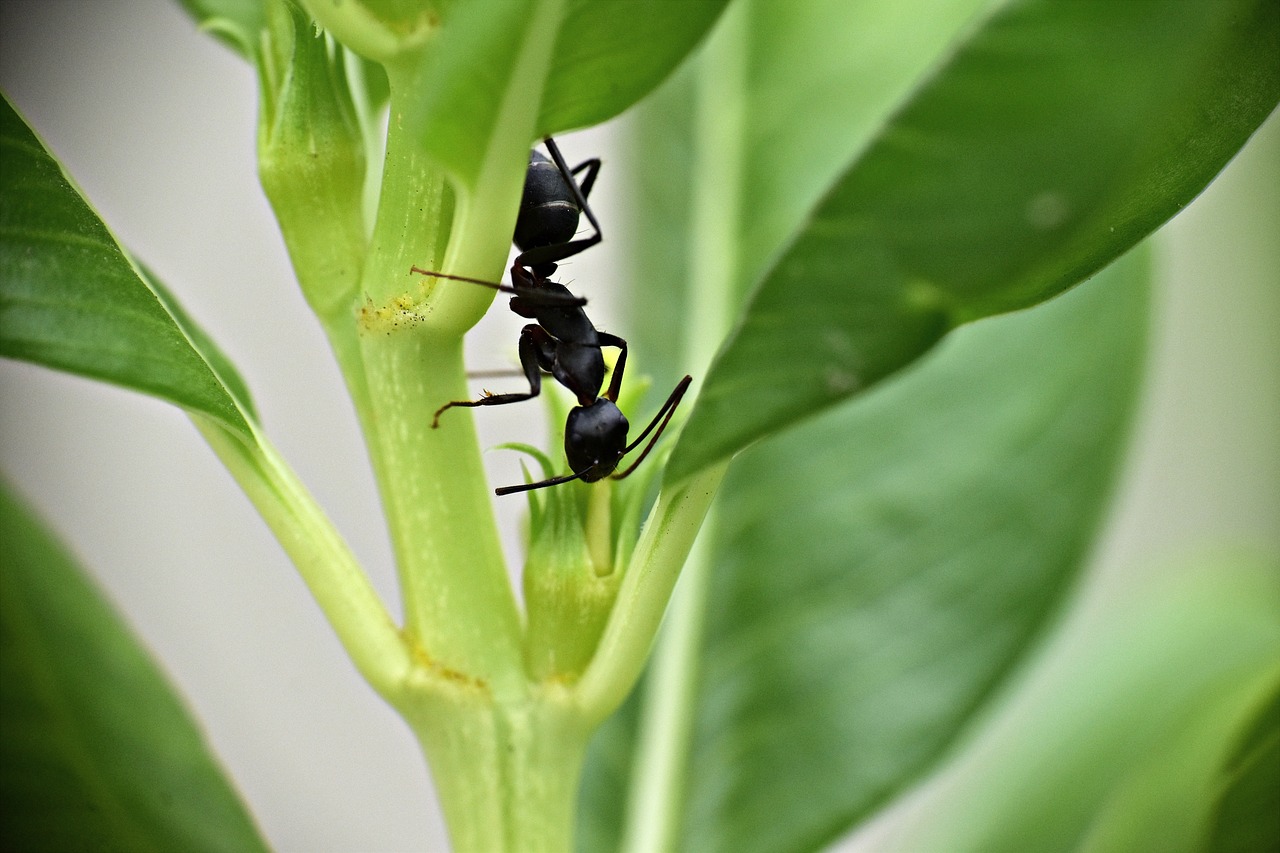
(553, 200)
(548, 211)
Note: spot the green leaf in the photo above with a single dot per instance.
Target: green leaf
(1049, 140)
(1245, 816)
(736, 149)
(71, 299)
(881, 569)
(606, 773)
(96, 751)
(1117, 739)
(236, 23)
(600, 59)
(955, 508)
(610, 55)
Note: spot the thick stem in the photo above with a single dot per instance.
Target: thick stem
(458, 603)
(507, 775)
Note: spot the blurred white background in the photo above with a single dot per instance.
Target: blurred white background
(157, 124)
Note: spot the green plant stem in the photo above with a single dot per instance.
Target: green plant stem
(457, 600)
(507, 774)
(658, 774)
(323, 559)
(646, 588)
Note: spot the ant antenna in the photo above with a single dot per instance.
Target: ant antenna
(664, 415)
(668, 409)
(529, 487)
(546, 298)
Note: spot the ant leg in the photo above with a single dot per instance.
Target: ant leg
(664, 414)
(535, 292)
(579, 192)
(492, 285)
(615, 384)
(551, 298)
(593, 169)
(535, 345)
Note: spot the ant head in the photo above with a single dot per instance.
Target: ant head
(595, 439)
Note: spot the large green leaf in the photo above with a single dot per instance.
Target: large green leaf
(1051, 138)
(96, 752)
(822, 79)
(947, 538)
(1120, 737)
(70, 299)
(880, 569)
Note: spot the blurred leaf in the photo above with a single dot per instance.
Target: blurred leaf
(825, 78)
(1245, 819)
(203, 344)
(659, 220)
(235, 23)
(751, 133)
(1053, 137)
(96, 752)
(610, 55)
(881, 569)
(604, 57)
(374, 80)
(602, 793)
(1116, 738)
(71, 300)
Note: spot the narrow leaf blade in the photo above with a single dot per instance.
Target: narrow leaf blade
(96, 751)
(71, 300)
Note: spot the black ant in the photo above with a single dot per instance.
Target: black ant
(549, 210)
(563, 341)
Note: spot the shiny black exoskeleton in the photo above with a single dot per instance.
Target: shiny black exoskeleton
(549, 210)
(565, 343)
(562, 340)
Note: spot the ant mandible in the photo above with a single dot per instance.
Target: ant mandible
(563, 341)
